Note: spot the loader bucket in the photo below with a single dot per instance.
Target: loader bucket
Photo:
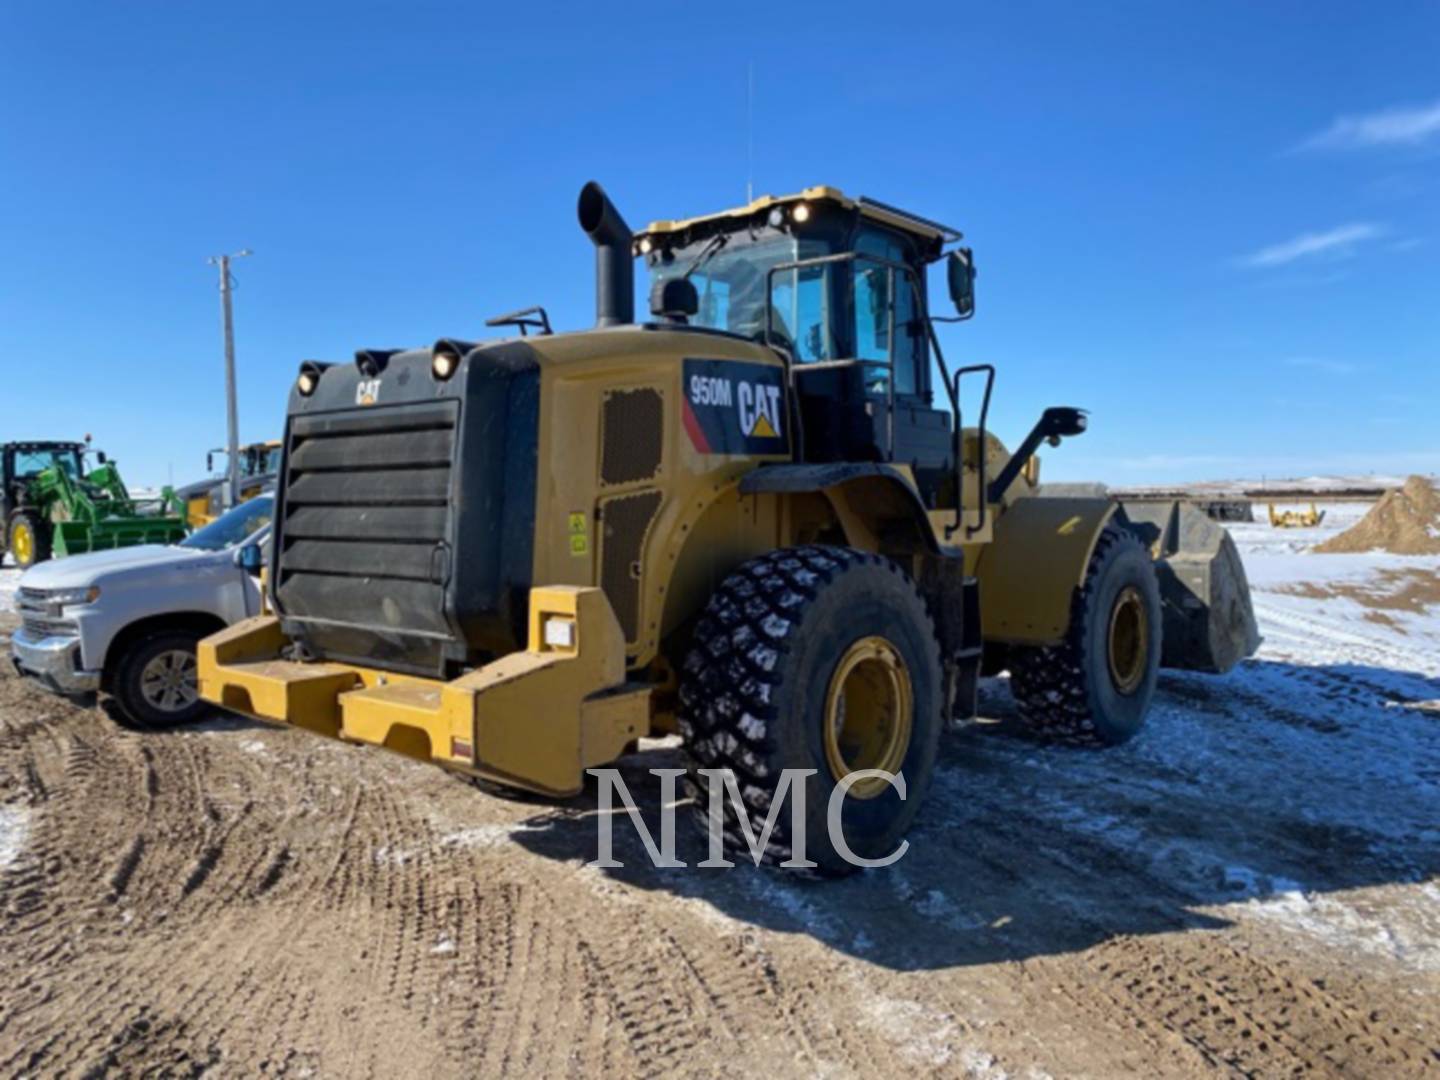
(77, 537)
(1209, 621)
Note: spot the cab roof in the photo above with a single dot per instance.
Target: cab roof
(871, 208)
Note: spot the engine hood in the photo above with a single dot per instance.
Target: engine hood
(81, 571)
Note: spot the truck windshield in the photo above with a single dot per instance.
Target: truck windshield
(731, 280)
(231, 528)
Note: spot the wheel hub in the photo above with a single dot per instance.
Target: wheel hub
(169, 682)
(23, 543)
(1128, 642)
(869, 710)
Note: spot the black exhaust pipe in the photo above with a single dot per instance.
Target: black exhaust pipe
(614, 259)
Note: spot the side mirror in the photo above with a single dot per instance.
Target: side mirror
(250, 558)
(101, 458)
(210, 462)
(1062, 422)
(960, 270)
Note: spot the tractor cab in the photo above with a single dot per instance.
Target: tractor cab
(838, 285)
(22, 462)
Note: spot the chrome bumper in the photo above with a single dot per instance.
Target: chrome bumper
(53, 659)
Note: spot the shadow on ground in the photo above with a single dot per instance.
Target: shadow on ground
(1275, 780)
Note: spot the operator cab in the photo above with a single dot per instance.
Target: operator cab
(838, 286)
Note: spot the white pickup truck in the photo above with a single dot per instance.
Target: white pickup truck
(126, 622)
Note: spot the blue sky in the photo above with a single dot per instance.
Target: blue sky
(1215, 225)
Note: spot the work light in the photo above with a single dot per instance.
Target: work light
(443, 365)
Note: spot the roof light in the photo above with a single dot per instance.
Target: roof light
(306, 383)
(777, 218)
(646, 245)
(801, 213)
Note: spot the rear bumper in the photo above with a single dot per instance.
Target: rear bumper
(535, 719)
(53, 660)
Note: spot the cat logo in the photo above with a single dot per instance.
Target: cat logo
(366, 391)
(759, 406)
(734, 406)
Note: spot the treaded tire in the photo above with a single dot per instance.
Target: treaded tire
(1066, 693)
(753, 692)
(39, 530)
(125, 683)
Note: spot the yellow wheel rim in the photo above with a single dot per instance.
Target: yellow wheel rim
(869, 710)
(23, 543)
(1128, 642)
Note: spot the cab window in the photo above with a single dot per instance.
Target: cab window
(872, 285)
(29, 463)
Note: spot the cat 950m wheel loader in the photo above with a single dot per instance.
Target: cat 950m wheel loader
(756, 519)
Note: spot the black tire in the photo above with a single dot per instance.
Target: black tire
(135, 690)
(38, 550)
(1073, 692)
(755, 684)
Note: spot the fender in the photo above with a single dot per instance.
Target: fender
(872, 492)
(1030, 572)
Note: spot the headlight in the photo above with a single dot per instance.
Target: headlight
(801, 213)
(306, 383)
(59, 599)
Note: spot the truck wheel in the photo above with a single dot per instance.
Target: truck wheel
(29, 540)
(1095, 687)
(818, 658)
(156, 680)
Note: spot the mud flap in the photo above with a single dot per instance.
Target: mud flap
(1209, 620)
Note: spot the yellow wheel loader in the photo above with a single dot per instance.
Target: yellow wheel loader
(204, 500)
(1296, 519)
(757, 518)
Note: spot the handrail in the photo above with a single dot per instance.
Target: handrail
(971, 530)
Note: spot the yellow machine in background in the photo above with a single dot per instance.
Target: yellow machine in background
(259, 465)
(756, 519)
(1296, 519)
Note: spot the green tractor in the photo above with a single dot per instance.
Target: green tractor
(50, 506)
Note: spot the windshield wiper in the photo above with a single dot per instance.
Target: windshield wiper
(707, 253)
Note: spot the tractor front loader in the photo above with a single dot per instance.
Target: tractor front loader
(52, 507)
(757, 519)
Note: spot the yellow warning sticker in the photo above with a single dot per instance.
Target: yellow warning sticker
(578, 524)
(579, 544)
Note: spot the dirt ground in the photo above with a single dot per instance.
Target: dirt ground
(1249, 890)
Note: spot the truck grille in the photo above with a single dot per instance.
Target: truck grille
(35, 617)
(364, 536)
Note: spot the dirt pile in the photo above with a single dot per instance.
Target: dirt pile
(1403, 522)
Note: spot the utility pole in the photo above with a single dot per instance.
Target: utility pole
(232, 444)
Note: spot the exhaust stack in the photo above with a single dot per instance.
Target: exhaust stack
(614, 259)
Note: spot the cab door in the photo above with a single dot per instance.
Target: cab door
(890, 330)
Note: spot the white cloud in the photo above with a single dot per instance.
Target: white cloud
(1315, 363)
(1405, 125)
(1339, 242)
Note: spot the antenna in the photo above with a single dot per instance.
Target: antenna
(750, 133)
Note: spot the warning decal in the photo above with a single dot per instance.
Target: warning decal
(735, 407)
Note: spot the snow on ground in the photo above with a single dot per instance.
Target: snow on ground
(13, 823)
(9, 582)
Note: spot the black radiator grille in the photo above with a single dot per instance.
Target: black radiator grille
(365, 534)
